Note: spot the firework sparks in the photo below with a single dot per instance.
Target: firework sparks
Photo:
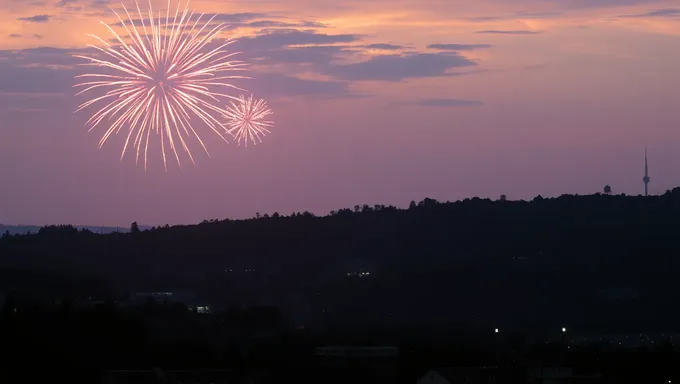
(164, 77)
(245, 120)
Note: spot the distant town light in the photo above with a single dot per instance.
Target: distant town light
(496, 330)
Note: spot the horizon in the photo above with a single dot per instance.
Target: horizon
(145, 226)
(373, 102)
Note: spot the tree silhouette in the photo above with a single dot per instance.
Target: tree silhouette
(607, 190)
(134, 228)
(503, 198)
(430, 253)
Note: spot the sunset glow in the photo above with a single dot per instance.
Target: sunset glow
(381, 102)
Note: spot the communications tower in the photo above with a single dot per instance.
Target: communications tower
(646, 178)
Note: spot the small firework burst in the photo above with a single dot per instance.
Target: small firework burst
(246, 120)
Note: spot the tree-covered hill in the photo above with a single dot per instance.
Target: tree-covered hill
(595, 260)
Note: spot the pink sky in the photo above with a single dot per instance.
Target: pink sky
(523, 97)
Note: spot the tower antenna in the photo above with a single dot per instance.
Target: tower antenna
(646, 178)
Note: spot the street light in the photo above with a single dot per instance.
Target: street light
(497, 346)
(562, 351)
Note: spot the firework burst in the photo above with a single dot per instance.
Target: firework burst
(245, 120)
(159, 78)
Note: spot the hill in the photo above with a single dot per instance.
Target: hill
(594, 262)
(28, 229)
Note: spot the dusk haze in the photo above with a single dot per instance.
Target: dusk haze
(374, 102)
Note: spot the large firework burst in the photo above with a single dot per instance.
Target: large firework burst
(159, 79)
(245, 119)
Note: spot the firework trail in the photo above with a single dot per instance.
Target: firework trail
(163, 77)
(245, 120)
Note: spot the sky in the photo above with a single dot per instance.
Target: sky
(374, 101)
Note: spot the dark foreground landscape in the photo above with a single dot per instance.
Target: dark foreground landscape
(254, 300)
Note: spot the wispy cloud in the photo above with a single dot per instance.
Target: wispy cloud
(458, 47)
(400, 67)
(36, 18)
(445, 103)
(18, 36)
(512, 32)
(282, 24)
(576, 4)
(51, 71)
(272, 85)
(293, 46)
(384, 46)
(277, 38)
(232, 19)
(516, 16)
(668, 12)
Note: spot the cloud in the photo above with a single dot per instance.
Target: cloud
(667, 12)
(281, 24)
(517, 15)
(271, 24)
(36, 80)
(236, 17)
(313, 24)
(384, 46)
(100, 3)
(446, 103)
(272, 85)
(278, 38)
(276, 46)
(42, 56)
(318, 55)
(18, 36)
(458, 47)
(292, 46)
(63, 3)
(51, 70)
(36, 18)
(231, 19)
(281, 46)
(600, 3)
(323, 51)
(515, 32)
(48, 70)
(400, 67)
(245, 19)
(44, 70)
